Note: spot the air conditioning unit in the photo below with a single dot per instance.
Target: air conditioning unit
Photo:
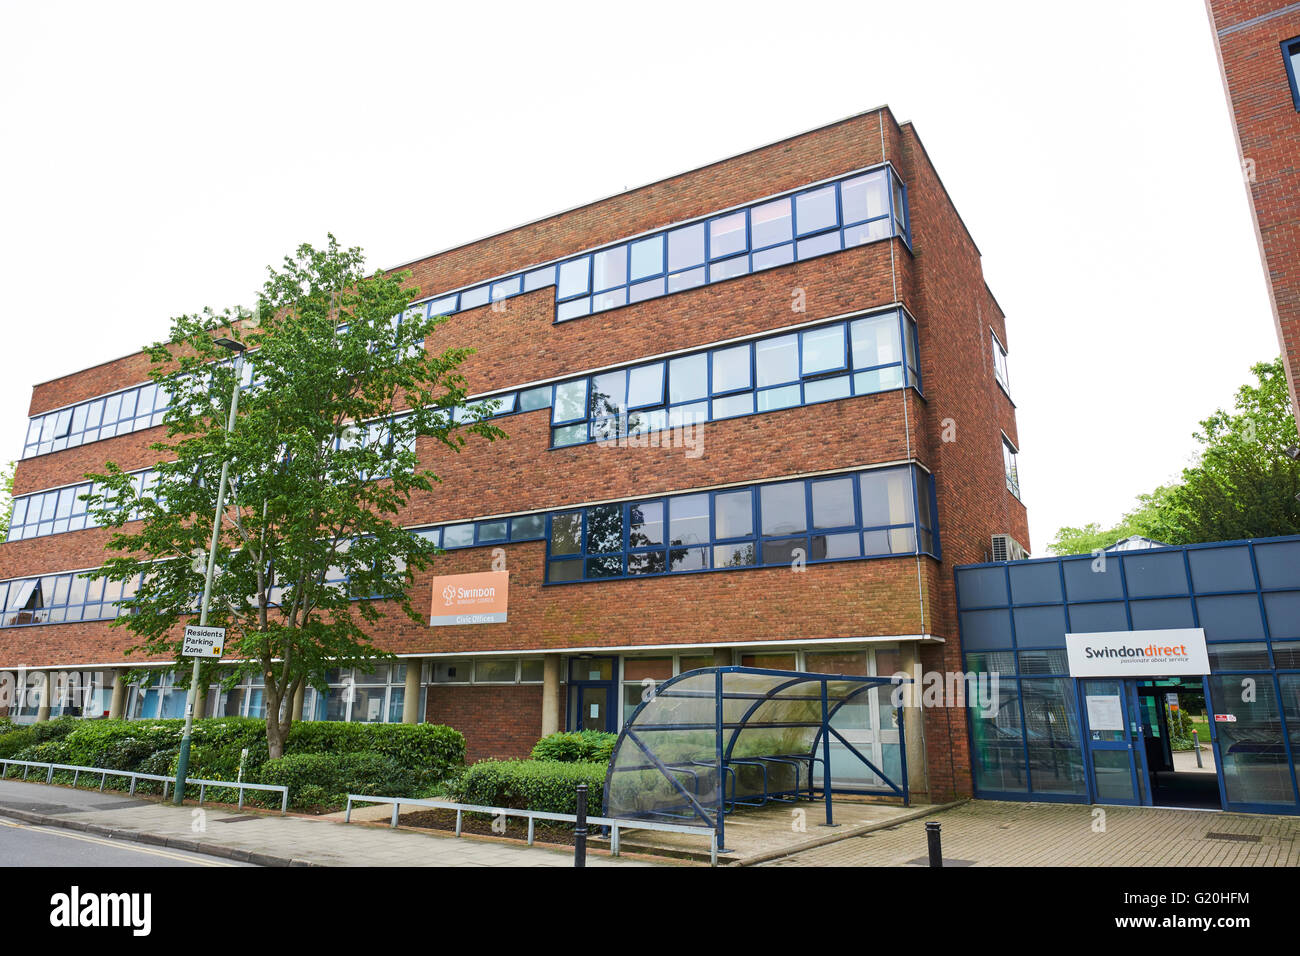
(1007, 548)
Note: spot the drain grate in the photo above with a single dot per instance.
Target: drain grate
(1234, 837)
(234, 819)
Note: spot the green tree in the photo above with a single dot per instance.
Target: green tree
(6, 498)
(323, 459)
(1243, 485)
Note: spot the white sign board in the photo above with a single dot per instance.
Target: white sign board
(203, 641)
(1105, 712)
(1138, 653)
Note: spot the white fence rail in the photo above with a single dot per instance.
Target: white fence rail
(136, 777)
(532, 816)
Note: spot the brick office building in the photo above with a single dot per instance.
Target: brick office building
(813, 375)
(1258, 43)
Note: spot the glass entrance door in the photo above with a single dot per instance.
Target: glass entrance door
(592, 686)
(1116, 763)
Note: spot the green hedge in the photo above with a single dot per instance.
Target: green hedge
(547, 785)
(321, 780)
(582, 746)
(416, 757)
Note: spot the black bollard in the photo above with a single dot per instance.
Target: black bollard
(580, 832)
(932, 838)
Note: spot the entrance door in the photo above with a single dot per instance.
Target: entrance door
(592, 687)
(1113, 731)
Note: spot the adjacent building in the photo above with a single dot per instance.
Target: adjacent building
(1258, 42)
(757, 413)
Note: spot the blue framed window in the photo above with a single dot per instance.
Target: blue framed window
(1291, 58)
(1000, 363)
(59, 598)
(833, 360)
(1010, 466)
(63, 509)
(862, 207)
(865, 514)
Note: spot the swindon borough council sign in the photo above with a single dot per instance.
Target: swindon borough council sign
(470, 598)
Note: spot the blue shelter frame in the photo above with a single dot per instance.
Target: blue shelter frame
(715, 739)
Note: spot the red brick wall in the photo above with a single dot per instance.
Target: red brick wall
(500, 721)
(1268, 140)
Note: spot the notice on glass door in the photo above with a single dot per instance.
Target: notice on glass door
(1105, 712)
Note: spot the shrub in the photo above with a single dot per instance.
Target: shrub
(16, 740)
(51, 751)
(548, 785)
(323, 780)
(583, 746)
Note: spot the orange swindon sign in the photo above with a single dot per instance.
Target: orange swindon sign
(479, 598)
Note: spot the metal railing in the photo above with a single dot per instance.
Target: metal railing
(136, 776)
(615, 825)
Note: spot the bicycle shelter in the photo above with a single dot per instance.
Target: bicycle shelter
(716, 739)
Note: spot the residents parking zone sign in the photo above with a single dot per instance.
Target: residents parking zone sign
(203, 641)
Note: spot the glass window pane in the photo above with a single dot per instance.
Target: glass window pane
(818, 245)
(734, 555)
(569, 435)
(574, 278)
(535, 398)
(832, 503)
(609, 300)
(645, 562)
(815, 210)
(490, 531)
(527, 527)
(572, 309)
(570, 401)
(688, 378)
(875, 341)
(566, 533)
(609, 268)
(604, 529)
(729, 268)
(727, 235)
(491, 670)
(608, 393)
(826, 389)
(686, 280)
(539, 279)
(646, 386)
(570, 570)
(731, 369)
(772, 399)
(770, 223)
(506, 288)
(729, 406)
(688, 520)
(649, 289)
(776, 256)
(688, 559)
(686, 247)
(823, 349)
(647, 524)
(782, 508)
(472, 298)
(865, 197)
(458, 536)
(777, 360)
(647, 257)
(733, 514)
(877, 380)
(886, 497)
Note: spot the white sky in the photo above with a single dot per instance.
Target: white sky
(156, 157)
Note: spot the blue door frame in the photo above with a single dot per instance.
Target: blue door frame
(1134, 742)
(578, 684)
(1129, 741)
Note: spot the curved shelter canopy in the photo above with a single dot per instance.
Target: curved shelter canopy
(718, 738)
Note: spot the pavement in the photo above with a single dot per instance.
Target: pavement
(262, 839)
(997, 833)
(25, 844)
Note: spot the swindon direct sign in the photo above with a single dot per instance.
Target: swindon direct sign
(203, 641)
(1161, 653)
(470, 598)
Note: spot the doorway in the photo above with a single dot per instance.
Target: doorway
(1149, 742)
(592, 689)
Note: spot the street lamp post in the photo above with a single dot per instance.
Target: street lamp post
(183, 764)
